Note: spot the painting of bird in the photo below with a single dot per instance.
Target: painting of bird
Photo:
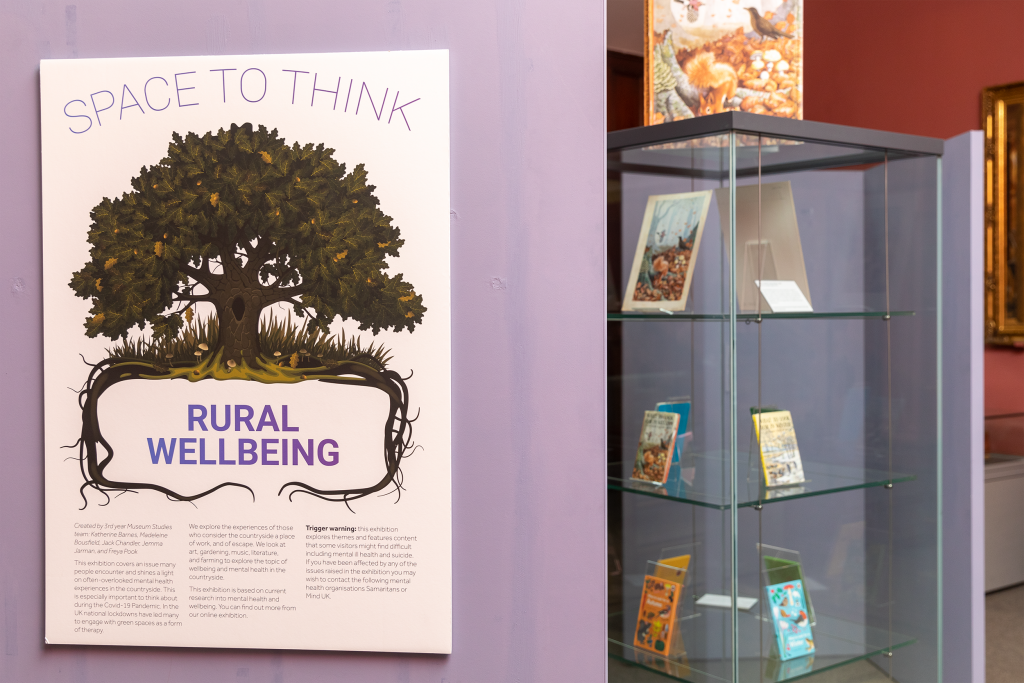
(763, 27)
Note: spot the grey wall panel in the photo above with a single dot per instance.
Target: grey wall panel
(963, 409)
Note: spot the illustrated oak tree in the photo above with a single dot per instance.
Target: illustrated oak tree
(241, 220)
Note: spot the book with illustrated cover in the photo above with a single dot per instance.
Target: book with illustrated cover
(657, 616)
(789, 617)
(666, 251)
(704, 57)
(780, 456)
(657, 444)
(780, 570)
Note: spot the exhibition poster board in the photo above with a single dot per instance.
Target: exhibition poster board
(247, 357)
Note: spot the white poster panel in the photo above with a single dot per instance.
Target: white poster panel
(247, 351)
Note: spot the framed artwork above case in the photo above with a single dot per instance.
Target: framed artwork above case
(706, 57)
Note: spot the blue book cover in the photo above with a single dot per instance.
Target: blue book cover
(682, 407)
(789, 616)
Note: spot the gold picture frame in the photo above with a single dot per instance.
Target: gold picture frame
(1003, 119)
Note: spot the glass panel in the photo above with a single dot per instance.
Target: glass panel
(666, 316)
(908, 419)
(651, 364)
(838, 642)
(701, 483)
(857, 373)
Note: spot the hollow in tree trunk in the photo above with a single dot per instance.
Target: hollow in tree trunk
(239, 304)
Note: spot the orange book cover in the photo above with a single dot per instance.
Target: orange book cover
(657, 614)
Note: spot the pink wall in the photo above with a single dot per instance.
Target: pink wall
(917, 66)
(1004, 381)
(1004, 394)
(527, 103)
(910, 66)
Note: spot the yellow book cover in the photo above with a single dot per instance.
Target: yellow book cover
(780, 456)
(657, 614)
(672, 568)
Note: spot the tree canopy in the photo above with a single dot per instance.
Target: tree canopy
(242, 220)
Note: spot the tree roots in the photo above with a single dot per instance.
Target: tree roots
(364, 370)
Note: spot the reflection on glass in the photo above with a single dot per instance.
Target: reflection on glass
(855, 374)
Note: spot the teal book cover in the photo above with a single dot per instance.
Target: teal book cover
(682, 408)
(789, 616)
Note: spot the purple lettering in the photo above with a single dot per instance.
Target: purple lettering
(224, 82)
(202, 454)
(247, 447)
(335, 91)
(297, 448)
(92, 97)
(127, 90)
(77, 116)
(295, 80)
(395, 108)
(284, 421)
(185, 450)
(193, 418)
(221, 459)
(241, 85)
(349, 95)
(267, 419)
(227, 418)
(246, 418)
(333, 454)
(163, 451)
(178, 89)
(145, 94)
(267, 448)
(370, 97)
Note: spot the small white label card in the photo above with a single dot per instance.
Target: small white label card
(725, 601)
(784, 296)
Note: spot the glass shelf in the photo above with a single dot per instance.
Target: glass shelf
(709, 480)
(863, 394)
(837, 643)
(749, 317)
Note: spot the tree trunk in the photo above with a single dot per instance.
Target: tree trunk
(239, 303)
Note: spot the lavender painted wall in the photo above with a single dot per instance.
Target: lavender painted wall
(527, 103)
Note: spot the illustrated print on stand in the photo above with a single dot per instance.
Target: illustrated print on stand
(242, 221)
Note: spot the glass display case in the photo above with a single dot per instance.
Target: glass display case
(759, 265)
